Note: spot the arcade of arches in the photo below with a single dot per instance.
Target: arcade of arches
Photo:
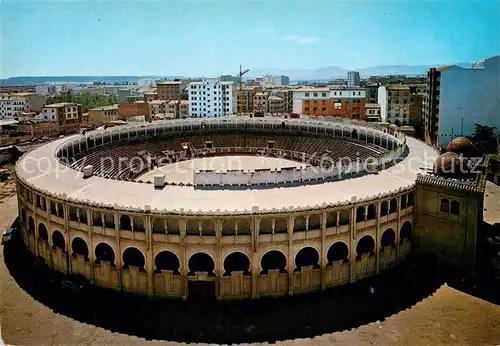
(247, 257)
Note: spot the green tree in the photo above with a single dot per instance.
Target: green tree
(485, 138)
(87, 101)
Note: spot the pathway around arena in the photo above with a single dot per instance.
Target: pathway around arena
(449, 317)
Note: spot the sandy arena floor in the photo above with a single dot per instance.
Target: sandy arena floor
(182, 172)
(449, 317)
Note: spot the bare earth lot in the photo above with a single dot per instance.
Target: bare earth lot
(448, 317)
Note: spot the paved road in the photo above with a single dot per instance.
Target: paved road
(448, 317)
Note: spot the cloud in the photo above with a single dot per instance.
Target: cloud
(301, 39)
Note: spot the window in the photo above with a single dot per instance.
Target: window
(455, 208)
(315, 94)
(323, 94)
(445, 205)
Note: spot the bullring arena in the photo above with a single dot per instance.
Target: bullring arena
(316, 205)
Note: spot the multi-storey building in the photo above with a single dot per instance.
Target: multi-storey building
(17, 89)
(68, 116)
(104, 114)
(212, 98)
(330, 101)
(276, 104)
(394, 101)
(150, 96)
(353, 79)
(269, 81)
(13, 105)
(157, 107)
(246, 98)
(287, 96)
(372, 112)
(260, 102)
(372, 92)
(457, 98)
(45, 89)
(136, 109)
(178, 108)
(171, 90)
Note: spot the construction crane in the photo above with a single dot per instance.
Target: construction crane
(240, 91)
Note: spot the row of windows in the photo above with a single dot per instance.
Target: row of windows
(447, 207)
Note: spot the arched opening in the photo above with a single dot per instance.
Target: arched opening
(388, 238)
(455, 208)
(167, 260)
(192, 227)
(299, 224)
(344, 217)
(405, 233)
(354, 134)
(139, 224)
(337, 252)
(201, 262)
(280, 226)
(104, 252)
(244, 227)
(403, 201)
(237, 261)
(208, 228)
(125, 223)
(360, 214)
(365, 245)
(266, 226)
(31, 225)
(307, 256)
(79, 247)
(58, 240)
(384, 208)
(42, 233)
(228, 227)
(331, 220)
(371, 214)
(445, 205)
(411, 199)
(133, 257)
(273, 260)
(159, 225)
(315, 222)
(393, 206)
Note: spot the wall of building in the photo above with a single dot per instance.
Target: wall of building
(69, 237)
(471, 95)
(133, 109)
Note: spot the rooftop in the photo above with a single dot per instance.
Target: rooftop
(61, 104)
(170, 82)
(8, 122)
(187, 200)
(372, 105)
(105, 108)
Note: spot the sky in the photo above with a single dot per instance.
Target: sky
(210, 38)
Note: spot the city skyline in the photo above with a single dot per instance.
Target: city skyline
(213, 38)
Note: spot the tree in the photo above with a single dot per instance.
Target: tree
(485, 139)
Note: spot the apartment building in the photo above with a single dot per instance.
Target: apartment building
(333, 101)
(136, 109)
(353, 79)
(260, 102)
(287, 96)
(45, 89)
(270, 81)
(276, 104)
(179, 109)
(172, 90)
(394, 101)
(157, 107)
(14, 105)
(372, 112)
(245, 99)
(372, 92)
(150, 96)
(456, 98)
(211, 98)
(68, 116)
(104, 114)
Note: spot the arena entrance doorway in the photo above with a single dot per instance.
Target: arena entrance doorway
(201, 291)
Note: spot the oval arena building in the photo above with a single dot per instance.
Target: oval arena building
(230, 207)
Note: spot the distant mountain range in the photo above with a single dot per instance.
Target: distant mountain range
(323, 73)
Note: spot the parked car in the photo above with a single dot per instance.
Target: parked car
(8, 234)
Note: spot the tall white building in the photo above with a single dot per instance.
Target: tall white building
(353, 79)
(457, 98)
(212, 98)
(12, 105)
(270, 81)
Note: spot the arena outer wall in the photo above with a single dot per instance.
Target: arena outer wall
(69, 233)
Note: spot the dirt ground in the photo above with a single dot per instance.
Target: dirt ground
(449, 317)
